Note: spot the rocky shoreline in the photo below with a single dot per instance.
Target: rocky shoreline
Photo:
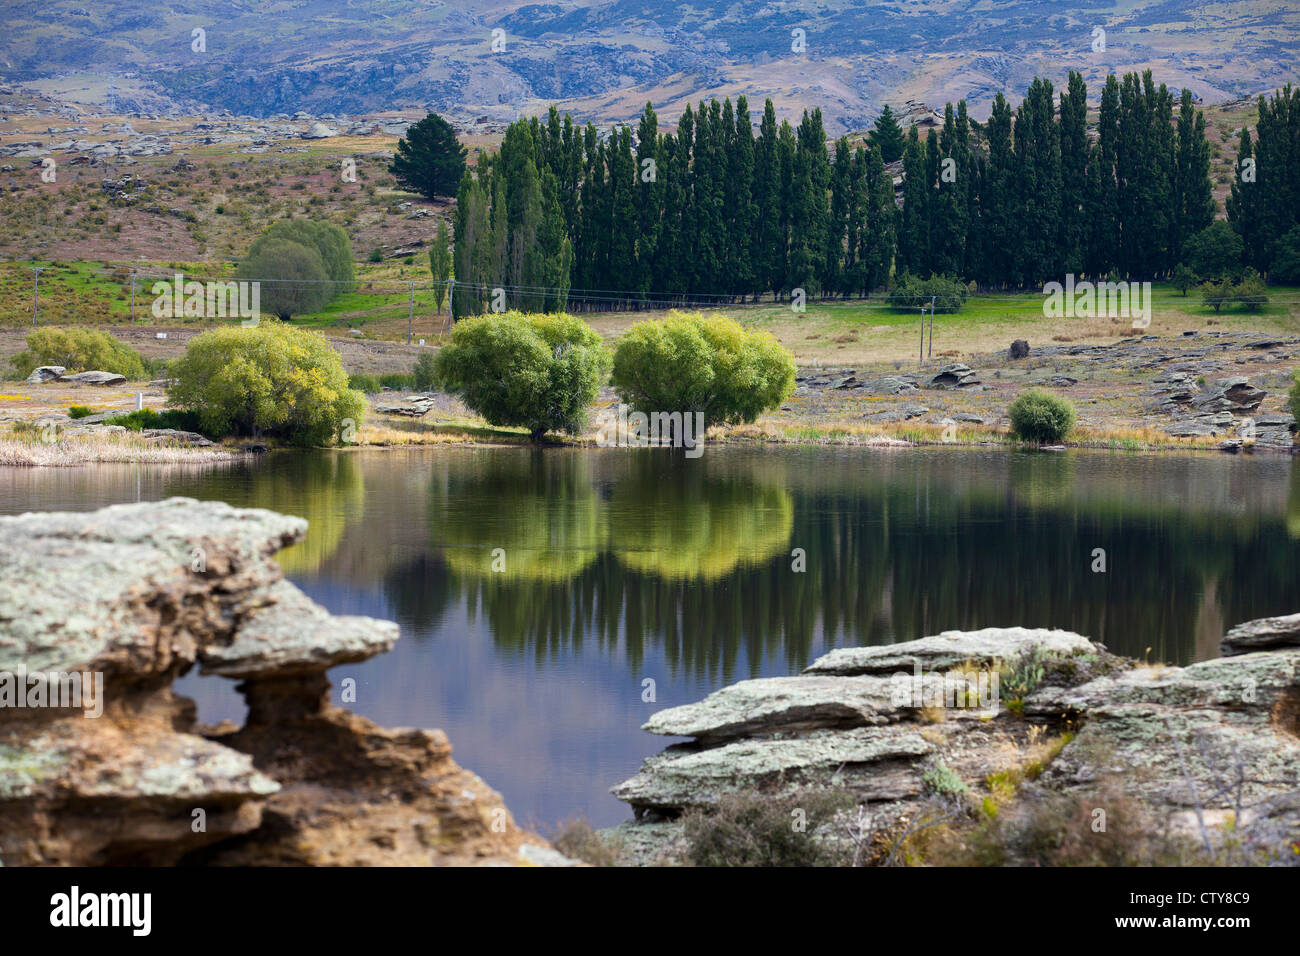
(1208, 754)
(136, 595)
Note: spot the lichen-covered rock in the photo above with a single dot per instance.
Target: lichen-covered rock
(45, 373)
(1217, 742)
(866, 759)
(1264, 633)
(94, 378)
(796, 704)
(131, 597)
(949, 649)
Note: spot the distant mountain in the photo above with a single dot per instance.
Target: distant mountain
(604, 58)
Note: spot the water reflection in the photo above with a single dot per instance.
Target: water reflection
(622, 564)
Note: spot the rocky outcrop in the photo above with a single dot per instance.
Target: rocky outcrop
(46, 373)
(1266, 633)
(94, 378)
(954, 375)
(128, 598)
(1209, 745)
(949, 649)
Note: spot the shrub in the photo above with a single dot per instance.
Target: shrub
(364, 383)
(942, 780)
(1216, 294)
(294, 274)
(1019, 678)
(1293, 396)
(376, 255)
(1215, 251)
(78, 411)
(1286, 258)
(425, 377)
(149, 418)
(330, 242)
(578, 840)
(690, 363)
(536, 371)
(1250, 292)
(271, 378)
(396, 380)
(1040, 417)
(910, 293)
(78, 350)
(755, 829)
(1183, 279)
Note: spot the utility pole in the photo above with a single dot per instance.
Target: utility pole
(36, 292)
(920, 352)
(930, 350)
(410, 316)
(451, 299)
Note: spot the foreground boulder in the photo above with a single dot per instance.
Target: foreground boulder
(961, 718)
(130, 597)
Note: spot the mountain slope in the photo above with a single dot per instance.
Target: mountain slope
(605, 59)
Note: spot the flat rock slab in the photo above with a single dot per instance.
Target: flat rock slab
(1267, 632)
(684, 777)
(150, 588)
(177, 437)
(94, 378)
(1249, 685)
(796, 704)
(289, 634)
(946, 650)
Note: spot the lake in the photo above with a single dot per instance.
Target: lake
(544, 593)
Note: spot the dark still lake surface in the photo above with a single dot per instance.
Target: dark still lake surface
(627, 566)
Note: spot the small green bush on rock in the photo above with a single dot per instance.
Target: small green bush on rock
(1041, 417)
(536, 371)
(268, 379)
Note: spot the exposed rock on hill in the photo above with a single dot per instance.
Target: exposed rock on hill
(138, 594)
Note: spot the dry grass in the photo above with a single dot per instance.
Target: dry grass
(31, 451)
(384, 435)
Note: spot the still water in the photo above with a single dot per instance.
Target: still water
(618, 568)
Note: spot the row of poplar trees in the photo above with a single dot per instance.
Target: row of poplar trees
(1042, 198)
(719, 212)
(712, 212)
(1264, 210)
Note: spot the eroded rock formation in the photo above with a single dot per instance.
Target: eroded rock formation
(1212, 748)
(138, 594)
